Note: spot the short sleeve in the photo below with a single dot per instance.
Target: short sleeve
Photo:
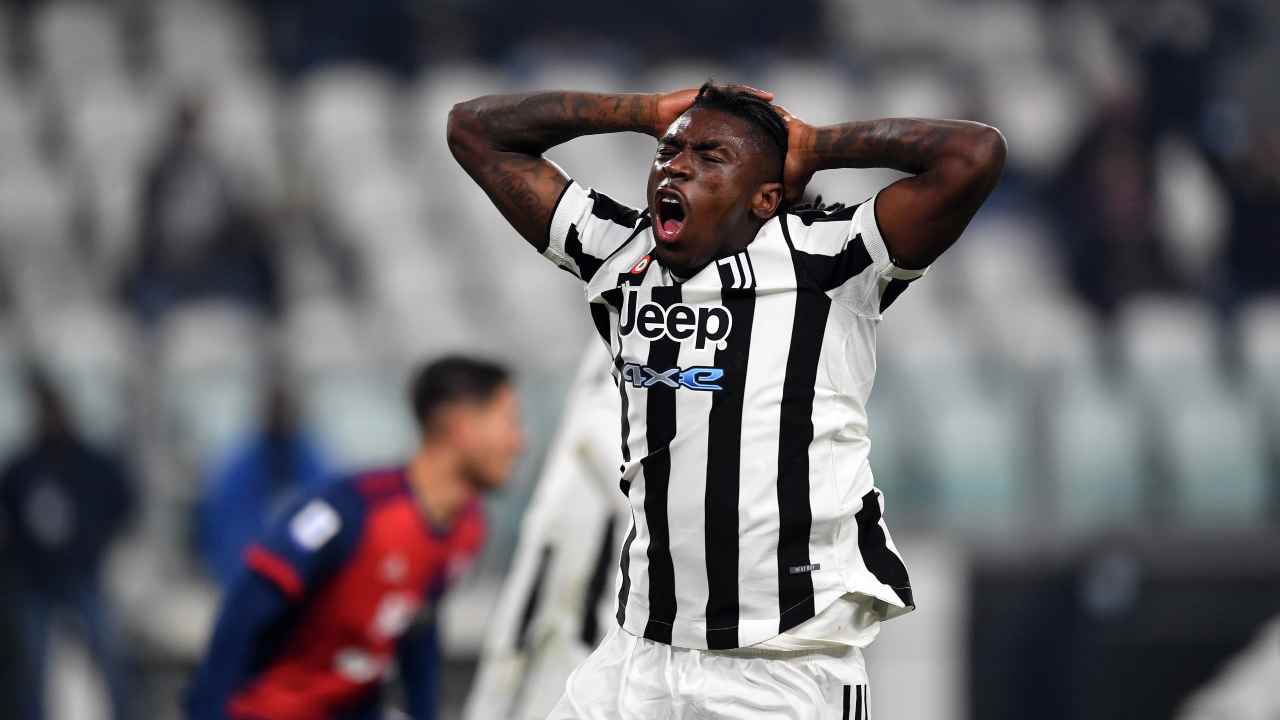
(586, 228)
(843, 252)
(309, 542)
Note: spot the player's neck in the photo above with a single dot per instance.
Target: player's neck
(439, 485)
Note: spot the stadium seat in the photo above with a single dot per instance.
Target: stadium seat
(212, 360)
(819, 92)
(243, 132)
(1192, 214)
(76, 44)
(977, 462)
(35, 207)
(907, 91)
(89, 349)
(1167, 345)
(1217, 459)
(1258, 331)
(428, 113)
(343, 119)
(360, 417)
(19, 120)
(1040, 110)
(1096, 453)
(15, 410)
(200, 42)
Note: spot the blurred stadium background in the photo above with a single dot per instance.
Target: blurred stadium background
(207, 203)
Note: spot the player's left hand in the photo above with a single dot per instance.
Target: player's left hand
(800, 163)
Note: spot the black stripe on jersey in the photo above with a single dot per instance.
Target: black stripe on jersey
(858, 710)
(535, 598)
(660, 424)
(883, 563)
(587, 264)
(724, 445)
(606, 208)
(844, 715)
(595, 586)
(892, 291)
(600, 318)
(624, 566)
(836, 213)
(829, 271)
(795, 434)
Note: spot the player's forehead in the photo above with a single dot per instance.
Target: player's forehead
(709, 126)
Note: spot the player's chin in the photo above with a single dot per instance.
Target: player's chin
(672, 256)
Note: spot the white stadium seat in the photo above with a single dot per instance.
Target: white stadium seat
(344, 119)
(1217, 457)
(1167, 345)
(977, 461)
(360, 418)
(1258, 329)
(202, 41)
(89, 350)
(212, 366)
(76, 44)
(1096, 454)
(15, 410)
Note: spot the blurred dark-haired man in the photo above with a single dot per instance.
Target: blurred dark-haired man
(338, 589)
(63, 503)
(743, 329)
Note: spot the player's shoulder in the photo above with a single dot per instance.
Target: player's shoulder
(343, 502)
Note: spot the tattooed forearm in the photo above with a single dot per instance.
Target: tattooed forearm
(499, 141)
(531, 123)
(904, 144)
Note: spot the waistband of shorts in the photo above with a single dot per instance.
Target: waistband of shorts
(835, 651)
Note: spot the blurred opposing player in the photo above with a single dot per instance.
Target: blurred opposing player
(334, 593)
(743, 333)
(559, 598)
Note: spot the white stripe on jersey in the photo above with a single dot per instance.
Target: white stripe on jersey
(745, 458)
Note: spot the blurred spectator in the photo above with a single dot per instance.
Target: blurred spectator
(255, 482)
(199, 238)
(63, 503)
(1105, 209)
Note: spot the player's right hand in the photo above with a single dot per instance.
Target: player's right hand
(673, 104)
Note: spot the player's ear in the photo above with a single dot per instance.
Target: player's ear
(768, 197)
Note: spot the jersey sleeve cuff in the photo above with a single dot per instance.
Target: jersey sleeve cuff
(865, 222)
(569, 207)
(276, 569)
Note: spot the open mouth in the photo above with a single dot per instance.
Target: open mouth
(670, 214)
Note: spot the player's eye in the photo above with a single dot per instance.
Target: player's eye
(666, 151)
(712, 158)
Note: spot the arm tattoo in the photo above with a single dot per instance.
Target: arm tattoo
(899, 143)
(499, 141)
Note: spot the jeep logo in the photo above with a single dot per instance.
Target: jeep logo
(678, 322)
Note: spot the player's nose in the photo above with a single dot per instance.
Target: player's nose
(677, 166)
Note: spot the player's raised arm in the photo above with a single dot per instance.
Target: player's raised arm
(955, 164)
(499, 141)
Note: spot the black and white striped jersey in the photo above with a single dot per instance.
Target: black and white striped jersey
(744, 427)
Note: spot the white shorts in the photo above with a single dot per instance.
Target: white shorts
(631, 677)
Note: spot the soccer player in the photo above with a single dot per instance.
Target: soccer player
(558, 600)
(334, 593)
(742, 330)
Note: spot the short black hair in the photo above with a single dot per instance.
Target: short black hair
(751, 108)
(452, 379)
